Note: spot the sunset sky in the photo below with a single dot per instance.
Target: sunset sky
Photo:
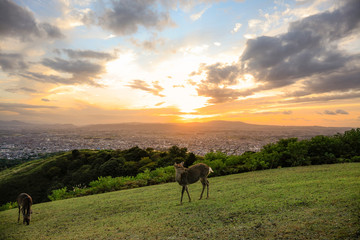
(263, 62)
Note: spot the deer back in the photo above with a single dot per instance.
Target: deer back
(25, 201)
(194, 173)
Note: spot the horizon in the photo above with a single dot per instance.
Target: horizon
(277, 63)
(175, 123)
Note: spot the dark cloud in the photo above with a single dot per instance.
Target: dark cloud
(12, 62)
(344, 80)
(220, 95)
(39, 77)
(218, 78)
(340, 111)
(126, 16)
(142, 85)
(307, 49)
(76, 67)
(87, 54)
(82, 71)
(307, 52)
(324, 98)
(219, 73)
(20, 108)
(23, 89)
(19, 22)
(45, 100)
(337, 112)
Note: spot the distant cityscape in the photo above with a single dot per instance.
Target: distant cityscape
(26, 141)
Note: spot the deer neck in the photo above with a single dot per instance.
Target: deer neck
(179, 174)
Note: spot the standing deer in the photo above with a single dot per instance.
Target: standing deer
(24, 202)
(185, 176)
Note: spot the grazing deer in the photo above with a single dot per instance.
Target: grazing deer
(24, 202)
(185, 176)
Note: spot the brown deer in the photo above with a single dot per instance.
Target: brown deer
(185, 176)
(24, 202)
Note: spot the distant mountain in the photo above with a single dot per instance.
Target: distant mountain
(24, 125)
(14, 123)
(176, 127)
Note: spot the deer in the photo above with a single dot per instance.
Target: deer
(186, 176)
(24, 203)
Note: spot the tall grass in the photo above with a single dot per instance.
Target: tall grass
(313, 202)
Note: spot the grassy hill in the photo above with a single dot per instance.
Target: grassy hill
(314, 202)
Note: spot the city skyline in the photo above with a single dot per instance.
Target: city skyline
(276, 62)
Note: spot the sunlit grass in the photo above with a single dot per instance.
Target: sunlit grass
(315, 202)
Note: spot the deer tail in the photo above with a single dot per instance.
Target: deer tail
(210, 170)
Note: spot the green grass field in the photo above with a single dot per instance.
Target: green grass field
(315, 202)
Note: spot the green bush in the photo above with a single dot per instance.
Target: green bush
(59, 194)
(8, 205)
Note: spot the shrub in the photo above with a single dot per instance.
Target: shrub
(8, 206)
(59, 194)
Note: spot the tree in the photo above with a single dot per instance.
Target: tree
(191, 158)
(75, 153)
(111, 167)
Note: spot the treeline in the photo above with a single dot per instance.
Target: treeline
(290, 152)
(8, 163)
(85, 172)
(79, 167)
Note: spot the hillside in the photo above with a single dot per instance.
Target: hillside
(79, 168)
(317, 202)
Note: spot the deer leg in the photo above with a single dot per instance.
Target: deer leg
(207, 185)
(182, 194)
(19, 215)
(203, 184)
(187, 191)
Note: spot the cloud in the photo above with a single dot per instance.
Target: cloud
(219, 95)
(220, 73)
(82, 71)
(322, 98)
(12, 62)
(126, 16)
(308, 48)
(344, 80)
(236, 28)
(337, 112)
(19, 22)
(308, 53)
(45, 100)
(87, 54)
(197, 16)
(142, 85)
(219, 77)
(340, 111)
(289, 112)
(150, 44)
(39, 77)
(22, 108)
(23, 89)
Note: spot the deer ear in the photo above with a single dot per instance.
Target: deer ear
(182, 163)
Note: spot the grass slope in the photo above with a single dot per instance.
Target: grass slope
(315, 202)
